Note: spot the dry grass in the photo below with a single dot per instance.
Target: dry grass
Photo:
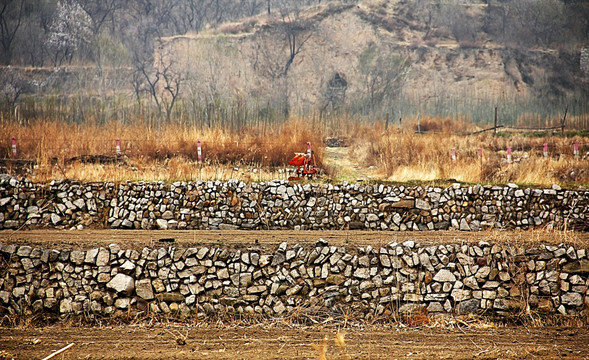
(339, 348)
(402, 155)
(166, 153)
(259, 154)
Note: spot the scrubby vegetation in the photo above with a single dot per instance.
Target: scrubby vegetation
(397, 153)
(256, 80)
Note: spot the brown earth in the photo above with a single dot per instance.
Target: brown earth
(269, 239)
(283, 342)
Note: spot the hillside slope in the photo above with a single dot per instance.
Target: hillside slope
(373, 55)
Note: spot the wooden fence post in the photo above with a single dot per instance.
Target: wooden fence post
(386, 123)
(480, 155)
(563, 120)
(495, 124)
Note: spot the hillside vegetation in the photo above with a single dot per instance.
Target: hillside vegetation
(235, 63)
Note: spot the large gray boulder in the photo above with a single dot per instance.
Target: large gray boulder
(122, 284)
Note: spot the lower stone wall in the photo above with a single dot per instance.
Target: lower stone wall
(366, 281)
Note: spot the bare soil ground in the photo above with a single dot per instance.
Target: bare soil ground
(137, 239)
(283, 342)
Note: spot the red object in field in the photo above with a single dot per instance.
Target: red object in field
(305, 163)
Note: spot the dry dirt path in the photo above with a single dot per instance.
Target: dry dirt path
(284, 342)
(343, 166)
(137, 239)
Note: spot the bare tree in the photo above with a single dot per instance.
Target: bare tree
(273, 59)
(383, 73)
(334, 92)
(162, 82)
(530, 22)
(297, 32)
(12, 86)
(11, 14)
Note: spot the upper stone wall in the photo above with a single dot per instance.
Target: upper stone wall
(284, 205)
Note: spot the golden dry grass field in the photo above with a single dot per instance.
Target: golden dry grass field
(396, 154)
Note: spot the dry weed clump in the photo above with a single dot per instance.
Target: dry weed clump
(438, 124)
(323, 346)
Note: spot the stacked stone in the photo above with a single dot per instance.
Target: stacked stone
(283, 205)
(366, 281)
(59, 204)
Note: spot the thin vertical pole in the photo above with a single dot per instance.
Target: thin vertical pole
(495, 123)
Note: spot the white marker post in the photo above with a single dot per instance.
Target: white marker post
(575, 149)
(509, 155)
(118, 148)
(309, 149)
(199, 150)
(545, 150)
(480, 153)
(14, 153)
(453, 154)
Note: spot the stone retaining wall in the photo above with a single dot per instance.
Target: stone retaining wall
(284, 205)
(212, 281)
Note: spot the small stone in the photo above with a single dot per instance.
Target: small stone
(335, 279)
(122, 303)
(91, 256)
(170, 297)
(77, 257)
(55, 219)
(362, 273)
(279, 308)
(464, 225)
(4, 296)
(422, 204)
(103, 257)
